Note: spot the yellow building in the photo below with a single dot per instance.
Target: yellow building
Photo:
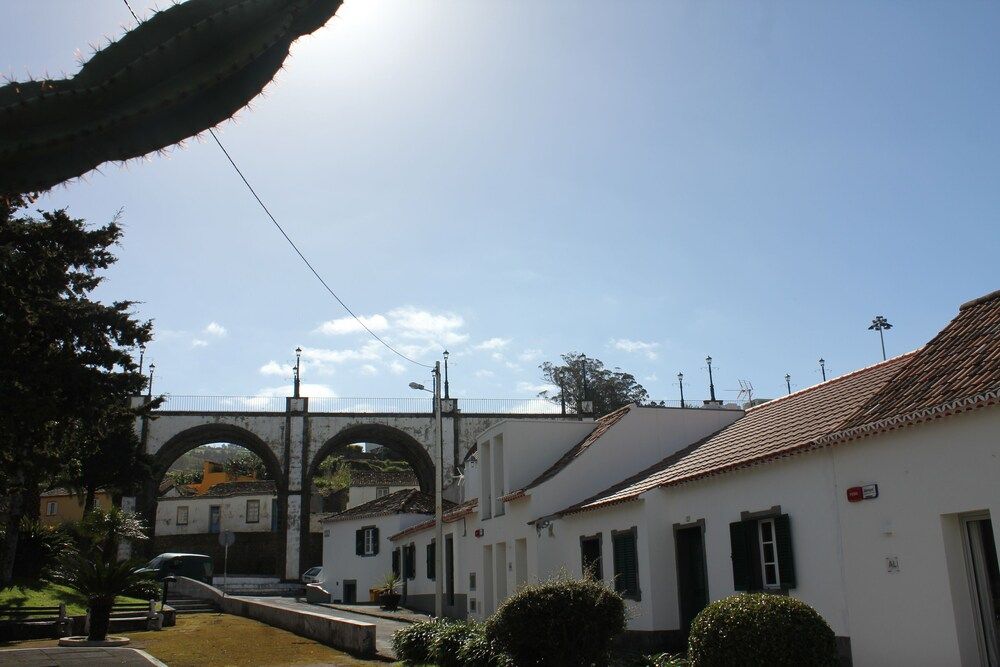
(58, 506)
(212, 474)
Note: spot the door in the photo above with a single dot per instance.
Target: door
(350, 592)
(692, 584)
(984, 578)
(214, 518)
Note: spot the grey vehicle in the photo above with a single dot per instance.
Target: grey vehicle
(313, 575)
(194, 566)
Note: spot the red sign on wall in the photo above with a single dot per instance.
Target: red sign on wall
(859, 493)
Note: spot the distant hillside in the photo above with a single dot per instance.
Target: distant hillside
(192, 461)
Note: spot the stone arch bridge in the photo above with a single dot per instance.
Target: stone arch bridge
(294, 435)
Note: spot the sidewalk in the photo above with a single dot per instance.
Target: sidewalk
(404, 615)
(74, 657)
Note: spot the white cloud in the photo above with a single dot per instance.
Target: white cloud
(494, 343)
(215, 329)
(396, 368)
(635, 346)
(536, 388)
(197, 342)
(349, 325)
(274, 368)
(369, 370)
(440, 328)
(310, 390)
(319, 356)
(530, 355)
(651, 378)
(483, 373)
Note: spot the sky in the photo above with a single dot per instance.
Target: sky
(645, 182)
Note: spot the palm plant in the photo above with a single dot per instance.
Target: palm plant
(105, 529)
(100, 582)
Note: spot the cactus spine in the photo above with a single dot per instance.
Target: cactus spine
(183, 71)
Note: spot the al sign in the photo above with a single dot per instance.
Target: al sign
(858, 493)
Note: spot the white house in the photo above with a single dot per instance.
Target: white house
(356, 549)
(369, 485)
(242, 507)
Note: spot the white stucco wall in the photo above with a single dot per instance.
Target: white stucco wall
(340, 560)
(232, 517)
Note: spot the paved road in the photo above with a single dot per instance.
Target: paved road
(384, 628)
(76, 657)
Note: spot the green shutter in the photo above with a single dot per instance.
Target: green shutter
(626, 564)
(786, 563)
(374, 541)
(410, 565)
(395, 562)
(359, 542)
(430, 561)
(740, 533)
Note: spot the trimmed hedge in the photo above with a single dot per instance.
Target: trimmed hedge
(560, 622)
(479, 651)
(761, 629)
(448, 641)
(412, 644)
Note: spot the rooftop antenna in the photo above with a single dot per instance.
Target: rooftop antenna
(880, 324)
(745, 391)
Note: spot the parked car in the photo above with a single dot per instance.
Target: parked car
(313, 575)
(194, 566)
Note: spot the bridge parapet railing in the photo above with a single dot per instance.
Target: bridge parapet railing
(172, 403)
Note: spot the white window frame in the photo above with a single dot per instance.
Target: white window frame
(51, 508)
(774, 551)
(187, 515)
(381, 492)
(253, 502)
(369, 541)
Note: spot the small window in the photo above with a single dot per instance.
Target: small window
(762, 554)
(472, 581)
(370, 537)
(182, 515)
(381, 491)
(626, 562)
(51, 508)
(590, 557)
(472, 605)
(253, 511)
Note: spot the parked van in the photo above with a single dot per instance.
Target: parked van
(194, 566)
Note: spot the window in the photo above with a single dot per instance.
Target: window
(395, 562)
(51, 508)
(472, 581)
(381, 491)
(410, 561)
(366, 541)
(762, 553)
(590, 557)
(253, 511)
(626, 562)
(182, 515)
(214, 518)
(430, 560)
(449, 569)
(472, 605)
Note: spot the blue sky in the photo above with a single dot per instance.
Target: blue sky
(646, 182)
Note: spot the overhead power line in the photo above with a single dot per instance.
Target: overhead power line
(298, 252)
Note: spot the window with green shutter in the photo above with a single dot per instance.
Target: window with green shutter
(761, 550)
(626, 563)
(366, 541)
(395, 562)
(410, 559)
(430, 560)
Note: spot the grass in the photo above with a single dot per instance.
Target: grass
(221, 640)
(47, 594)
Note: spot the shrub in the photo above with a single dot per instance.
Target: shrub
(479, 651)
(448, 640)
(560, 622)
(760, 629)
(412, 644)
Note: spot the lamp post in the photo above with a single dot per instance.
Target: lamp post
(680, 381)
(446, 394)
(142, 354)
(149, 389)
(822, 367)
(788, 382)
(880, 324)
(438, 489)
(298, 371)
(711, 383)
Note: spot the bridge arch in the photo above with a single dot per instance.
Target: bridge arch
(398, 441)
(205, 434)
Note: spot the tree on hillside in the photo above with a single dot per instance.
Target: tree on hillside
(579, 378)
(246, 464)
(66, 365)
(335, 475)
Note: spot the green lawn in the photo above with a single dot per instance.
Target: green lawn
(46, 594)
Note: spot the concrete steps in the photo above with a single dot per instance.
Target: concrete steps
(188, 605)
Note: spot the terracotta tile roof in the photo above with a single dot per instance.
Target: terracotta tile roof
(959, 369)
(263, 487)
(383, 478)
(767, 431)
(449, 515)
(601, 426)
(406, 501)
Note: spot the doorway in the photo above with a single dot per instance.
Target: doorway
(214, 518)
(692, 581)
(984, 579)
(350, 592)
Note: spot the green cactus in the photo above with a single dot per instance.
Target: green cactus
(185, 70)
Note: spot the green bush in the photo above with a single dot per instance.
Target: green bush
(412, 644)
(560, 622)
(479, 651)
(448, 640)
(760, 629)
